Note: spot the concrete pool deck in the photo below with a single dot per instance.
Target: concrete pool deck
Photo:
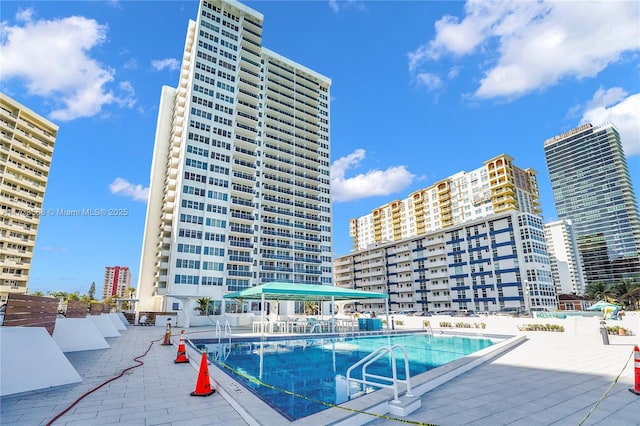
(551, 378)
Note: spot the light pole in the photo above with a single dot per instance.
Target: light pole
(527, 301)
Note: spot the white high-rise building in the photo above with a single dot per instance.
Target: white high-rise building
(26, 143)
(240, 185)
(487, 264)
(495, 187)
(566, 267)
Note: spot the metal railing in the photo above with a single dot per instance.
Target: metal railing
(223, 350)
(227, 331)
(393, 380)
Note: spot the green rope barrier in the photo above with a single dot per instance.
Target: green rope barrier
(328, 404)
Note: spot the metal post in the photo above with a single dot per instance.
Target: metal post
(527, 300)
(604, 333)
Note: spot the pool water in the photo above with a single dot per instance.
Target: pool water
(300, 377)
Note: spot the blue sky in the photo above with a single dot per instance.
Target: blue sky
(421, 90)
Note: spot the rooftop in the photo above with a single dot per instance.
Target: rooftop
(550, 378)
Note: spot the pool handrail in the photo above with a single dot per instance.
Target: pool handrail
(227, 331)
(373, 357)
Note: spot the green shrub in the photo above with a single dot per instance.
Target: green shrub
(542, 327)
(615, 329)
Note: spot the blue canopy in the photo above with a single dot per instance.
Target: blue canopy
(294, 291)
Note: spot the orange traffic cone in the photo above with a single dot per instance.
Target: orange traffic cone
(167, 335)
(182, 352)
(203, 385)
(636, 370)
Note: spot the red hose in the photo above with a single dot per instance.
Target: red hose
(136, 359)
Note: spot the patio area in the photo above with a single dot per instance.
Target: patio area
(301, 325)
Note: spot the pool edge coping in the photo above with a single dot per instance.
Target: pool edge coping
(360, 410)
(376, 403)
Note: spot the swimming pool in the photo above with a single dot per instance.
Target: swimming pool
(300, 377)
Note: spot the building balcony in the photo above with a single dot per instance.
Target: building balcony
(19, 287)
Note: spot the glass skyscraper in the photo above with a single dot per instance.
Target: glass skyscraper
(592, 188)
(240, 185)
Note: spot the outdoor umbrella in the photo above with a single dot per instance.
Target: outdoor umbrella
(601, 305)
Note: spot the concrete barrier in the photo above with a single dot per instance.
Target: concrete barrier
(78, 334)
(105, 325)
(116, 321)
(30, 359)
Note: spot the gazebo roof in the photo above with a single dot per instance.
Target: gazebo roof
(295, 291)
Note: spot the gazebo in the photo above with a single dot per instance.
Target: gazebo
(279, 291)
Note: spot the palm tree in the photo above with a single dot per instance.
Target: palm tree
(132, 292)
(203, 305)
(311, 308)
(597, 291)
(627, 293)
(87, 298)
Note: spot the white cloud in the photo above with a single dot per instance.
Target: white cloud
(430, 81)
(170, 63)
(614, 106)
(136, 192)
(537, 44)
(128, 101)
(370, 184)
(131, 64)
(24, 15)
(52, 59)
(453, 73)
(337, 6)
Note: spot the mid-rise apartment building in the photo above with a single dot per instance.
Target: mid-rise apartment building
(566, 265)
(495, 187)
(117, 280)
(486, 264)
(240, 185)
(26, 148)
(592, 188)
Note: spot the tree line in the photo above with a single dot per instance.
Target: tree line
(625, 293)
(89, 297)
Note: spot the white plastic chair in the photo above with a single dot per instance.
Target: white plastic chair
(314, 325)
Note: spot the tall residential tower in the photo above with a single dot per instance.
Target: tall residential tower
(592, 188)
(116, 281)
(496, 187)
(566, 265)
(240, 185)
(26, 144)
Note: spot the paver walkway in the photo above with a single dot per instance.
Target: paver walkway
(551, 379)
(156, 393)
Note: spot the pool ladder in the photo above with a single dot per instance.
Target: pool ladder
(223, 348)
(227, 331)
(393, 380)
